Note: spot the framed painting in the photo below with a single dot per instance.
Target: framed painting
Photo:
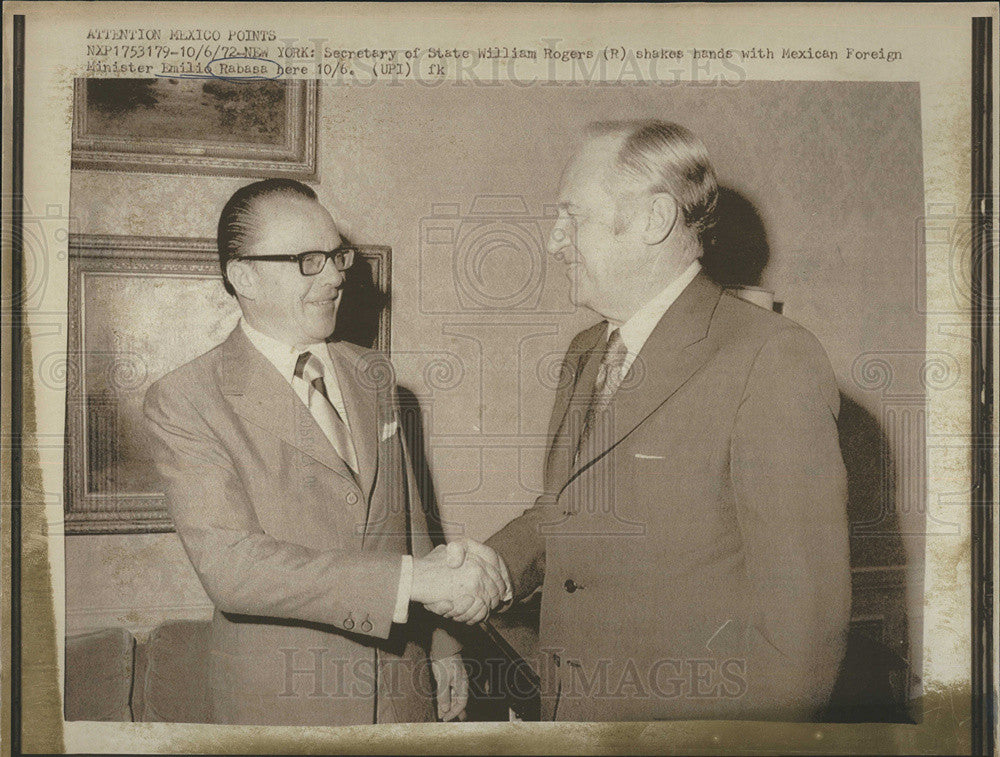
(203, 126)
(140, 307)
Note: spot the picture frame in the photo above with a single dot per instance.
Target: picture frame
(186, 125)
(122, 289)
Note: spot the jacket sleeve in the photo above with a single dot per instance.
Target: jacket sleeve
(521, 543)
(790, 490)
(243, 569)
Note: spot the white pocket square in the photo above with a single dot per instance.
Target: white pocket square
(388, 429)
(640, 456)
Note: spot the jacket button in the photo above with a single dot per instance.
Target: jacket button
(571, 585)
(366, 626)
(352, 498)
(349, 624)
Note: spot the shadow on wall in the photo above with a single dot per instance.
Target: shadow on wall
(874, 681)
(412, 422)
(360, 306)
(877, 668)
(736, 249)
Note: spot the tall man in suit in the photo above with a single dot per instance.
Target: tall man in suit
(691, 541)
(289, 483)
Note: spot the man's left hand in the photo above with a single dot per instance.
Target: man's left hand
(452, 687)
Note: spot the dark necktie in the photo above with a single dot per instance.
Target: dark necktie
(609, 378)
(309, 369)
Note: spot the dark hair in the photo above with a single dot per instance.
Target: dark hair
(236, 221)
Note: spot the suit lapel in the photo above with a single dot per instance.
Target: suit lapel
(577, 360)
(674, 351)
(571, 403)
(361, 415)
(255, 389)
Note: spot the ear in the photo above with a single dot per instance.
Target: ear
(243, 278)
(662, 218)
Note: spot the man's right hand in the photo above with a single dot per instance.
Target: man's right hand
(466, 609)
(453, 577)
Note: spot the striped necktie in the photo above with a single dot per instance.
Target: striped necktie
(609, 378)
(309, 368)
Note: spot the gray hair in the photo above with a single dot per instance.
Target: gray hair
(666, 157)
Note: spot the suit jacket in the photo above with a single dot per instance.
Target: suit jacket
(301, 560)
(694, 559)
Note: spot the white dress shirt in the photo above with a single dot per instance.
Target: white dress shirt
(636, 330)
(283, 357)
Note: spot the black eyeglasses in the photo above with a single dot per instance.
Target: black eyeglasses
(314, 261)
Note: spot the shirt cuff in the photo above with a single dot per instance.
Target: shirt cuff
(505, 601)
(402, 611)
(508, 595)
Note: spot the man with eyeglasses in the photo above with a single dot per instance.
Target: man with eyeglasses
(289, 483)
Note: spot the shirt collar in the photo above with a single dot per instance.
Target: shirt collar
(281, 355)
(636, 330)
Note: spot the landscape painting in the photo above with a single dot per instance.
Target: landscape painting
(188, 125)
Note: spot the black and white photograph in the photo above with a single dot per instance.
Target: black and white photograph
(390, 385)
(712, 525)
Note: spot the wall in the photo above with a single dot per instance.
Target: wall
(823, 195)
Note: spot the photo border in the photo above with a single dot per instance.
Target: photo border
(983, 436)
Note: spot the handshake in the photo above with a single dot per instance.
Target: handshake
(463, 580)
